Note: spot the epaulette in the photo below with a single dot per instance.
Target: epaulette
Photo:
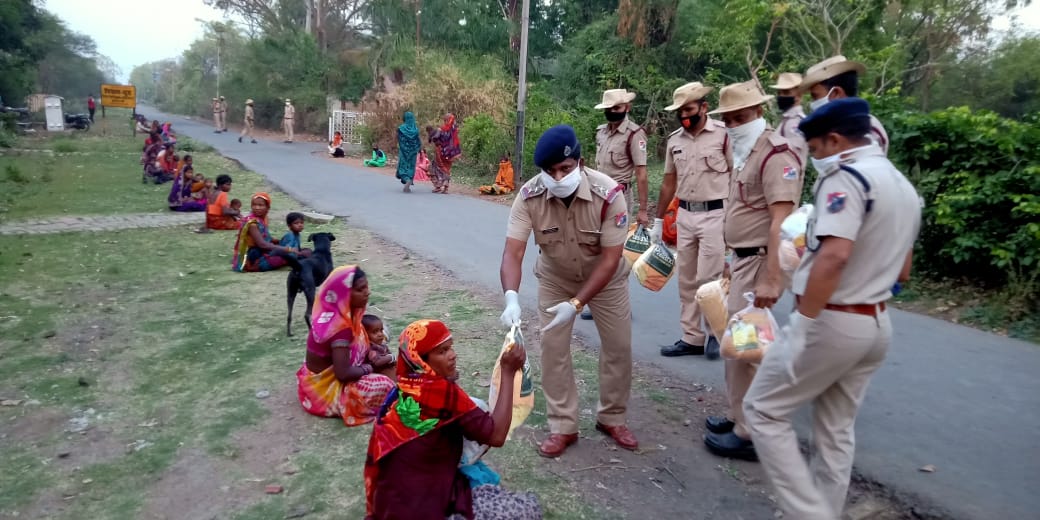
(778, 142)
(676, 132)
(607, 194)
(532, 188)
(601, 127)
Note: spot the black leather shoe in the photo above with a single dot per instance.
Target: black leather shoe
(711, 348)
(716, 424)
(682, 348)
(730, 446)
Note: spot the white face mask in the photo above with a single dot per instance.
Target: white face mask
(833, 162)
(816, 104)
(564, 187)
(744, 137)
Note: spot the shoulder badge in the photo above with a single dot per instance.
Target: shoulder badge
(533, 188)
(778, 142)
(605, 193)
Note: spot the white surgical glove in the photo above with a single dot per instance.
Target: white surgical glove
(795, 332)
(655, 232)
(511, 315)
(565, 313)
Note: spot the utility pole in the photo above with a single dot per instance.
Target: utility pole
(418, 15)
(220, 40)
(521, 94)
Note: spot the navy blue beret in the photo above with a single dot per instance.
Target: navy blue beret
(556, 145)
(846, 116)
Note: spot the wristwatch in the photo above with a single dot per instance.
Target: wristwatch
(577, 304)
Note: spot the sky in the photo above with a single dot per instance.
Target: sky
(125, 30)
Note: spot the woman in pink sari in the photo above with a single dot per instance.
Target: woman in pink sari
(446, 142)
(336, 379)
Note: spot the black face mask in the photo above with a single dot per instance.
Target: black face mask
(690, 121)
(614, 117)
(785, 102)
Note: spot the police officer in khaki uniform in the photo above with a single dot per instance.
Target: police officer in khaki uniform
(836, 78)
(621, 149)
(579, 220)
(789, 100)
(223, 114)
(621, 153)
(249, 120)
(696, 170)
(217, 125)
(287, 120)
(858, 243)
(766, 187)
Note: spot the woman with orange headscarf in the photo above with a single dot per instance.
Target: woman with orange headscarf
(446, 141)
(412, 467)
(336, 379)
(255, 250)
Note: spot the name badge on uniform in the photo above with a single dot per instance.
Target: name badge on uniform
(550, 230)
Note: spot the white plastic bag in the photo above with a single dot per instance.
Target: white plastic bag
(750, 332)
(792, 239)
(472, 450)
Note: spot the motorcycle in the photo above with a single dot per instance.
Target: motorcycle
(78, 121)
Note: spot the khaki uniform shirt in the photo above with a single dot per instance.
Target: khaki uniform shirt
(223, 106)
(619, 151)
(216, 107)
(878, 134)
(882, 236)
(249, 114)
(290, 111)
(571, 238)
(702, 163)
(788, 129)
(759, 184)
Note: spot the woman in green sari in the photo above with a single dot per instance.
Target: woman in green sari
(408, 146)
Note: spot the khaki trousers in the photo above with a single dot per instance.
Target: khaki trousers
(701, 251)
(744, 275)
(614, 323)
(842, 352)
(223, 121)
(287, 124)
(247, 130)
(216, 121)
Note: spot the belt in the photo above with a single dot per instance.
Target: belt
(625, 185)
(744, 252)
(708, 205)
(866, 309)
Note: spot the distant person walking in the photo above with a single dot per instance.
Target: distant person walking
(247, 129)
(91, 106)
(408, 146)
(223, 114)
(287, 120)
(446, 141)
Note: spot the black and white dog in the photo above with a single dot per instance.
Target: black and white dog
(308, 274)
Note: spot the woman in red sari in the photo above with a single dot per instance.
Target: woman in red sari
(446, 142)
(412, 467)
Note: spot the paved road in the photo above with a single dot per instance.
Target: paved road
(965, 401)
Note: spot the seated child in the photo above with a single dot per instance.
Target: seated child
(379, 355)
(336, 146)
(198, 186)
(236, 205)
(294, 222)
(378, 158)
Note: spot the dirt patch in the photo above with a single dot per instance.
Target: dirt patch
(196, 486)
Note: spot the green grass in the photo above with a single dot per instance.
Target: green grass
(101, 176)
(173, 346)
(1002, 312)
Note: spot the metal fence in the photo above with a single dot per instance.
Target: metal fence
(348, 124)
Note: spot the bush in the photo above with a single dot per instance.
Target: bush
(979, 175)
(484, 141)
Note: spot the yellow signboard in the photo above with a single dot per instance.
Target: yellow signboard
(123, 96)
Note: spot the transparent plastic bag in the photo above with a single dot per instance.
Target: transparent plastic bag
(712, 299)
(523, 388)
(636, 244)
(750, 332)
(654, 267)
